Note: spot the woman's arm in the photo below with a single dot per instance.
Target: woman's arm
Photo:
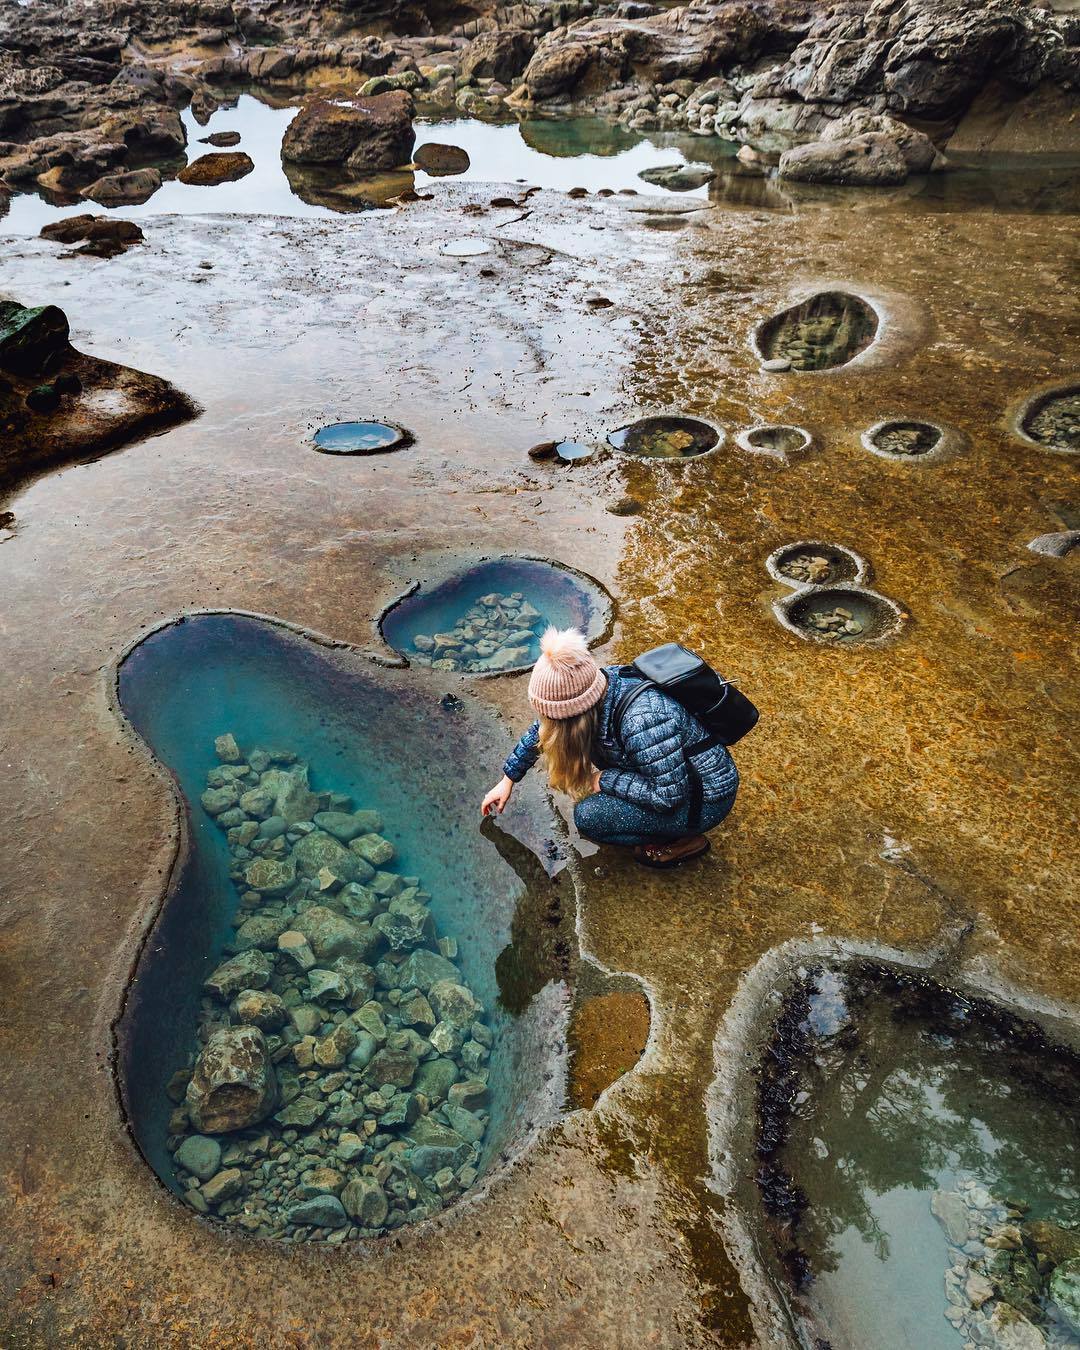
(520, 760)
(524, 755)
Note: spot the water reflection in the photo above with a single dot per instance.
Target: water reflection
(907, 1092)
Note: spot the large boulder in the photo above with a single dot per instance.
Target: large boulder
(233, 1084)
(917, 148)
(331, 934)
(497, 56)
(102, 236)
(874, 160)
(366, 133)
(924, 58)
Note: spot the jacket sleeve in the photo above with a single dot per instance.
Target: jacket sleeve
(524, 755)
(657, 777)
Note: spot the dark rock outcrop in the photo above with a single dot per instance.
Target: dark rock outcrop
(101, 236)
(58, 405)
(366, 133)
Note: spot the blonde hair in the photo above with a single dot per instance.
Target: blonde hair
(567, 746)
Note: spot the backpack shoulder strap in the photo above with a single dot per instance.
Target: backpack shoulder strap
(625, 699)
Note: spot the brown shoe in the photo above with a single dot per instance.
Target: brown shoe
(673, 853)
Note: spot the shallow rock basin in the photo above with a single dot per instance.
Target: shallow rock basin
(359, 438)
(666, 438)
(900, 439)
(921, 1163)
(841, 615)
(812, 562)
(1054, 420)
(282, 1065)
(488, 619)
(827, 330)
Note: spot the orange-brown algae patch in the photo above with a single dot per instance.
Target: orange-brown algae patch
(607, 1038)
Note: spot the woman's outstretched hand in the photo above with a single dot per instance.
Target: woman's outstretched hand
(495, 802)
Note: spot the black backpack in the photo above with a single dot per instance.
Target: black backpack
(725, 713)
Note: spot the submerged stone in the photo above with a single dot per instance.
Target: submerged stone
(233, 1084)
(199, 1155)
(665, 438)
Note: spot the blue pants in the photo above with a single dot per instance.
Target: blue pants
(609, 820)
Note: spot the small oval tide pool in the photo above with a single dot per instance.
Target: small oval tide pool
(359, 438)
(488, 619)
(313, 1045)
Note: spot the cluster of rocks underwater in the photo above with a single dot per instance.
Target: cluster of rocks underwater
(499, 632)
(339, 1083)
(1011, 1282)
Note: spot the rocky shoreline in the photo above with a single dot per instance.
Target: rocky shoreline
(857, 92)
(340, 1084)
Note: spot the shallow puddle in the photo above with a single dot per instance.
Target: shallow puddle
(313, 1046)
(489, 618)
(933, 1165)
(665, 438)
(359, 438)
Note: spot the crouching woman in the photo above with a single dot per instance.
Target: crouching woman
(635, 775)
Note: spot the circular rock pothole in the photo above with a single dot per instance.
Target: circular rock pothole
(1051, 419)
(824, 331)
(360, 438)
(667, 437)
(840, 615)
(811, 562)
(488, 619)
(776, 439)
(907, 439)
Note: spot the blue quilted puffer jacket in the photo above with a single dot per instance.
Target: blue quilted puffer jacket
(645, 763)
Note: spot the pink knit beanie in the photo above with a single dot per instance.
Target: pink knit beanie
(565, 680)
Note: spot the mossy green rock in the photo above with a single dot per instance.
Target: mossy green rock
(365, 1202)
(1052, 1241)
(391, 1066)
(271, 876)
(250, 970)
(199, 1155)
(435, 1077)
(303, 1111)
(331, 934)
(31, 339)
(318, 850)
(422, 968)
(1065, 1291)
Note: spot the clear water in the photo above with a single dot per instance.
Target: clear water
(421, 765)
(584, 152)
(903, 1099)
(356, 438)
(563, 598)
(665, 438)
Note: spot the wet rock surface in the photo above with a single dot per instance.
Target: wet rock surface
(100, 236)
(102, 552)
(343, 1066)
(221, 167)
(366, 134)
